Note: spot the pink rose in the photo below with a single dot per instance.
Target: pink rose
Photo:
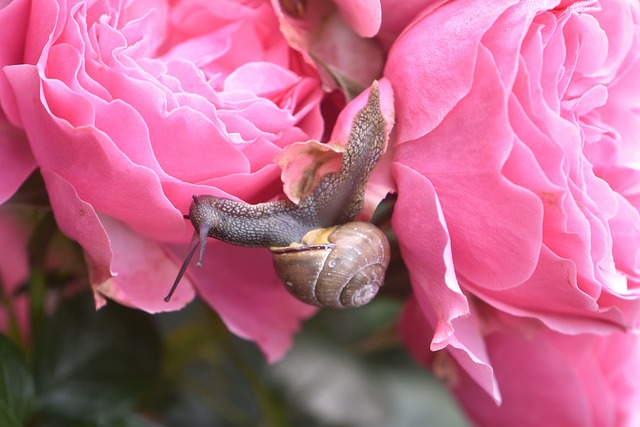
(546, 378)
(517, 135)
(396, 16)
(130, 109)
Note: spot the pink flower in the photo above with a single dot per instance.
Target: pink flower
(130, 109)
(517, 135)
(546, 378)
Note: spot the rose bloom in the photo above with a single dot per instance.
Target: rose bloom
(129, 109)
(517, 133)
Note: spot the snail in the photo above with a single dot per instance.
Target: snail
(320, 253)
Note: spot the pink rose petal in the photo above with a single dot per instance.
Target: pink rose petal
(463, 164)
(415, 330)
(364, 16)
(16, 160)
(426, 249)
(552, 379)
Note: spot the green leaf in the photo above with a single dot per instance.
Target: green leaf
(211, 375)
(91, 366)
(16, 386)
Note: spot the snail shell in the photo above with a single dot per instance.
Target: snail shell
(338, 267)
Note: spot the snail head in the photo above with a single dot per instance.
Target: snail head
(203, 220)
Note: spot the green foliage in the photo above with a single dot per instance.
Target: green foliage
(90, 366)
(16, 386)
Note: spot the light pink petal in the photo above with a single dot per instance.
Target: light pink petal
(616, 356)
(469, 349)
(552, 295)
(416, 330)
(79, 221)
(241, 286)
(16, 160)
(418, 56)
(262, 78)
(553, 379)
(396, 16)
(251, 187)
(538, 387)
(143, 272)
(625, 233)
(495, 226)
(46, 17)
(380, 184)
(13, 26)
(364, 16)
(426, 250)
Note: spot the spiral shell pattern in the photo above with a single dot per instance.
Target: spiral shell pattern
(337, 267)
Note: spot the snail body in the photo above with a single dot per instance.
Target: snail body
(337, 267)
(323, 257)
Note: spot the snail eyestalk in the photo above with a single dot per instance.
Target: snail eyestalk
(185, 264)
(199, 240)
(204, 233)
